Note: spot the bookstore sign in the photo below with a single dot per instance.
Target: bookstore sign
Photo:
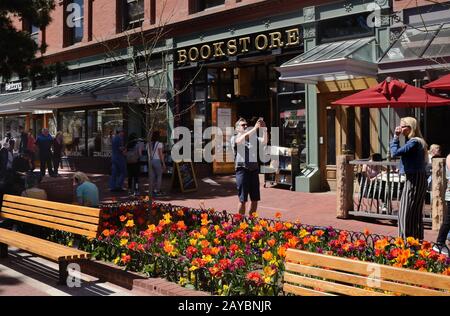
(241, 45)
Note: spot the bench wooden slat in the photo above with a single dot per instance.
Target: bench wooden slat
(48, 252)
(329, 286)
(427, 279)
(45, 211)
(362, 281)
(77, 209)
(50, 219)
(74, 219)
(298, 290)
(53, 226)
(19, 240)
(55, 254)
(61, 252)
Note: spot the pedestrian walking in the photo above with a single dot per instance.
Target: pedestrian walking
(6, 139)
(23, 143)
(7, 159)
(135, 148)
(31, 147)
(413, 161)
(158, 163)
(445, 227)
(44, 143)
(58, 147)
(245, 147)
(119, 163)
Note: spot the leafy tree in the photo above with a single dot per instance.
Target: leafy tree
(17, 49)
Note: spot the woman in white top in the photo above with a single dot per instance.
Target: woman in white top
(157, 161)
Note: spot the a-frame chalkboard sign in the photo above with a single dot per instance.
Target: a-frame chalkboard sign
(184, 176)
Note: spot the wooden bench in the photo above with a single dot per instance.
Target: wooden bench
(313, 274)
(74, 219)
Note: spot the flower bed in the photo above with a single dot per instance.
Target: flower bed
(235, 255)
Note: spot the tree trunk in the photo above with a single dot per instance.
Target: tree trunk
(438, 192)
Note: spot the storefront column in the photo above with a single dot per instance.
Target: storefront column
(382, 33)
(311, 181)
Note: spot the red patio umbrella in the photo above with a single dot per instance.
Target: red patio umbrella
(392, 93)
(442, 83)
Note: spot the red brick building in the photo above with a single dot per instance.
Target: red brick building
(225, 55)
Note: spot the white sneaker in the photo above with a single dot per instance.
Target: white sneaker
(441, 249)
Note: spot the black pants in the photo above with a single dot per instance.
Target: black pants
(133, 176)
(410, 218)
(56, 163)
(445, 227)
(46, 162)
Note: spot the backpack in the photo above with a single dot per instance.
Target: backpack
(133, 156)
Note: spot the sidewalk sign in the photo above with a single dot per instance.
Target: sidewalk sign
(184, 176)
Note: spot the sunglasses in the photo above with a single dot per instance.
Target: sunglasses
(405, 126)
(244, 124)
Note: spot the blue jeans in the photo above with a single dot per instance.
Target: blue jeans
(118, 174)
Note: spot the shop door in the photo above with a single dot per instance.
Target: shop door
(224, 116)
(344, 130)
(336, 136)
(38, 124)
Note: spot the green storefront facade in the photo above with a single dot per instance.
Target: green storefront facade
(290, 97)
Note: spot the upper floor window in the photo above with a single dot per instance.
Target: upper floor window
(74, 21)
(133, 13)
(346, 27)
(34, 33)
(32, 29)
(201, 5)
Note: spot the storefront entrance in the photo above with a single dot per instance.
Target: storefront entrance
(344, 130)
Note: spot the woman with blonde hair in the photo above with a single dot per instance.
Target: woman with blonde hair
(413, 161)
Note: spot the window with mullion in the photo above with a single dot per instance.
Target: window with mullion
(133, 13)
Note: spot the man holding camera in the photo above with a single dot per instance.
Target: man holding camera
(245, 145)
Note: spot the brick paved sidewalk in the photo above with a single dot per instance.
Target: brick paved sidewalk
(310, 208)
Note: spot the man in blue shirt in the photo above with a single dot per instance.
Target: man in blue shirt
(87, 192)
(44, 143)
(119, 162)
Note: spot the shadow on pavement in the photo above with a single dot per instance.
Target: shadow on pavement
(49, 276)
(219, 186)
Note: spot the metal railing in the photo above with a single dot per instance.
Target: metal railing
(377, 190)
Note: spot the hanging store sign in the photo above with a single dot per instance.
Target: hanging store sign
(13, 86)
(239, 46)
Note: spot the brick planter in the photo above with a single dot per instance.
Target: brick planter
(130, 280)
(58, 189)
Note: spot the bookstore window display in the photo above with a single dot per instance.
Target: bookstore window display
(12, 124)
(292, 122)
(74, 132)
(101, 126)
